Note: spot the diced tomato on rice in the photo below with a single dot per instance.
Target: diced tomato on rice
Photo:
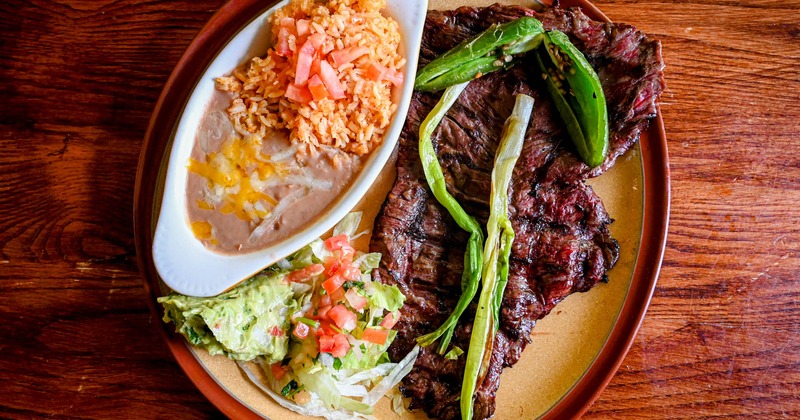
(337, 68)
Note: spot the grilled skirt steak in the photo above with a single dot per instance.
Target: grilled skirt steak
(562, 243)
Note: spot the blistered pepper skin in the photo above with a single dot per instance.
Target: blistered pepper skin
(463, 73)
(572, 80)
(562, 106)
(498, 42)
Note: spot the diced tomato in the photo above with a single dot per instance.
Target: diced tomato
(340, 245)
(343, 317)
(337, 242)
(346, 55)
(322, 312)
(298, 94)
(278, 370)
(348, 252)
(374, 335)
(335, 344)
(303, 27)
(334, 282)
(338, 295)
(394, 76)
(282, 48)
(317, 40)
(331, 80)
(315, 66)
(287, 23)
(350, 272)
(304, 58)
(324, 328)
(324, 300)
(317, 88)
(341, 346)
(326, 343)
(355, 300)
(378, 72)
(332, 266)
(276, 331)
(390, 319)
(375, 72)
(306, 273)
(301, 330)
(315, 269)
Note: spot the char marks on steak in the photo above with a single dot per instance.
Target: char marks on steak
(562, 240)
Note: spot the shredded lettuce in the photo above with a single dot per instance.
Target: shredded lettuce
(318, 250)
(253, 322)
(397, 402)
(321, 383)
(373, 356)
(380, 381)
(348, 225)
(398, 372)
(386, 297)
(315, 407)
(370, 261)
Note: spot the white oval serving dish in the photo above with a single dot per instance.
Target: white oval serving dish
(182, 261)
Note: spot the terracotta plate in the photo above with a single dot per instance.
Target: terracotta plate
(574, 351)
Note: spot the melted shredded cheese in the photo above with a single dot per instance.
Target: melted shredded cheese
(204, 231)
(236, 175)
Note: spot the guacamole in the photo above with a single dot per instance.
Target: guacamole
(248, 321)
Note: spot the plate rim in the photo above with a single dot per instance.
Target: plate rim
(223, 25)
(652, 244)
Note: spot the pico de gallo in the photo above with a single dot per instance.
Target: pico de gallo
(315, 323)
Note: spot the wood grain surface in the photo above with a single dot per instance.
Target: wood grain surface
(81, 77)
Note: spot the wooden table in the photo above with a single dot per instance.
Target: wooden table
(80, 79)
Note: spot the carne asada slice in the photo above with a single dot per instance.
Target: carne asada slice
(562, 241)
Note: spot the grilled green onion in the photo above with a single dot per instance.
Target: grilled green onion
(496, 254)
(471, 276)
(309, 322)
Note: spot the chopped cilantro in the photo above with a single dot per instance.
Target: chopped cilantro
(290, 389)
(351, 284)
(194, 337)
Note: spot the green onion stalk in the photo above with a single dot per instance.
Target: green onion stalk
(496, 254)
(473, 257)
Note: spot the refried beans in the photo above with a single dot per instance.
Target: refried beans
(302, 186)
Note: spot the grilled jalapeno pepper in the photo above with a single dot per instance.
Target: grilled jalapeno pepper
(486, 52)
(578, 95)
(463, 73)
